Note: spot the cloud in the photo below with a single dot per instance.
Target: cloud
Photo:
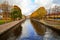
(28, 6)
(45, 3)
(56, 1)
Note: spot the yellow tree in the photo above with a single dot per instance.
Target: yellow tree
(39, 13)
(42, 12)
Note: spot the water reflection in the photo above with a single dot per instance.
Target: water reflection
(48, 34)
(33, 30)
(29, 32)
(16, 32)
(12, 34)
(51, 35)
(40, 29)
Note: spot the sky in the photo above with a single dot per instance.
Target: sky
(29, 6)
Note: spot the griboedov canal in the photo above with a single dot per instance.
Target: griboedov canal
(32, 30)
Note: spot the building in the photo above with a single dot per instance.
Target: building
(54, 12)
(5, 8)
(54, 15)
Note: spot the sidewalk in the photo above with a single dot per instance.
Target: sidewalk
(7, 26)
(50, 23)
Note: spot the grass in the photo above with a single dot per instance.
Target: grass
(4, 21)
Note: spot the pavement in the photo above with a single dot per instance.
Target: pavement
(53, 24)
(7, 26)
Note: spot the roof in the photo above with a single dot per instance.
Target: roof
(58, 13)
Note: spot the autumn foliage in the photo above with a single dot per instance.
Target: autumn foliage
(16, 13)
(39, 13)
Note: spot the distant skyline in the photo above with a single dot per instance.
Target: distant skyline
(28, 6)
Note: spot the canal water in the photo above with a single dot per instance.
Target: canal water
(28, 32)
(32, 30)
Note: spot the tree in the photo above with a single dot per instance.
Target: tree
(42, 12)
(16, 13)
(39, 13)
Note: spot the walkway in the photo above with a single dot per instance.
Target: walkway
(45, 22)
(7, 26)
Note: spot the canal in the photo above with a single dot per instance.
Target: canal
(31, 30)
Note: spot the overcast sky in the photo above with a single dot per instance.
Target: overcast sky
(28, 6)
